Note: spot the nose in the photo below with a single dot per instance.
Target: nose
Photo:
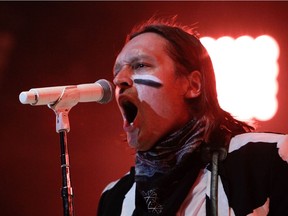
(123, 80)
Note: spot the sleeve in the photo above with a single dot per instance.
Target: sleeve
(111, 200)
(279, 187)
(257, 170)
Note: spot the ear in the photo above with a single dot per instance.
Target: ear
(194, 88)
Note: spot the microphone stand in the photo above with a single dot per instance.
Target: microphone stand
(217, 155)
(61, 107)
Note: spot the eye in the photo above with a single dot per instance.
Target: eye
(139, 65)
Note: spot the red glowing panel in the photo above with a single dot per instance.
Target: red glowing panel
(246, 72)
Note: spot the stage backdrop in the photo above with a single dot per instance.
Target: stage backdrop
(59, 43)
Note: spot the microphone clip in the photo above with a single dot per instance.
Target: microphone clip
(68, 99)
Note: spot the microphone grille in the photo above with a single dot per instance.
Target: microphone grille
(108, 91)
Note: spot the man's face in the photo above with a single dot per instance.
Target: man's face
(149, 95)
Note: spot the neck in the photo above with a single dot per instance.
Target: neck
(170, 152)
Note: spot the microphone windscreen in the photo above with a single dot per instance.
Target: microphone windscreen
(108, 91)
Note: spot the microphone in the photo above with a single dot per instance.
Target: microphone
(101, 91)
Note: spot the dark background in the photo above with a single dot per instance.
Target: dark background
(60, 43)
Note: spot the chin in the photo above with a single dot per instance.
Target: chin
(138, 144)
(143, 146)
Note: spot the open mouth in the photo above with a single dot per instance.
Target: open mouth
(130, 111)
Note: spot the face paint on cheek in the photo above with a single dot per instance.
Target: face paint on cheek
(148, 80)
(132, 138)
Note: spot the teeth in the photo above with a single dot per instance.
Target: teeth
(131, 124)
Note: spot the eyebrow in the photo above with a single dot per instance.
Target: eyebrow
(118, 66)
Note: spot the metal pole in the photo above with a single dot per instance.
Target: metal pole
(214, 184)
(66, 191)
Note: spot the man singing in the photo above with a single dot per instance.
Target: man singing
(192, 157)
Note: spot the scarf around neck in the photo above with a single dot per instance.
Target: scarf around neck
(161, 173)
(169, 152)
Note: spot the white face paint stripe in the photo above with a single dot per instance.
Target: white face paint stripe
(147, 77)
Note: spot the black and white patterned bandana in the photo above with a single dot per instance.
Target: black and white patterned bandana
(167, 154)
(158, 170)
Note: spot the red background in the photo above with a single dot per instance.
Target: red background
(60, 43)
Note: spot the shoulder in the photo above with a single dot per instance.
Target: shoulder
(255, 171)
(124, 182)
(114, 193)
(280, 141)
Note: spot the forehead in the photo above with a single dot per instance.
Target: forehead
(143, 45)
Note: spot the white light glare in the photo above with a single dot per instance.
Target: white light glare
(246, 71)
